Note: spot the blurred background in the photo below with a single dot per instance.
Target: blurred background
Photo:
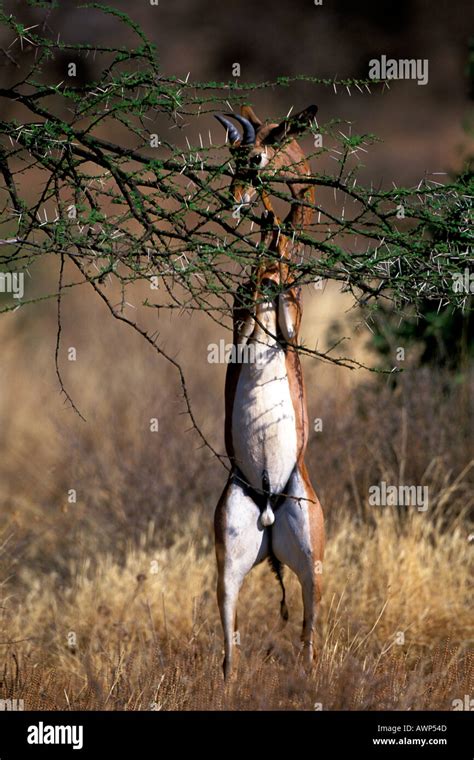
(133, 485)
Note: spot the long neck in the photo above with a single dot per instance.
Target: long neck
(300, 216)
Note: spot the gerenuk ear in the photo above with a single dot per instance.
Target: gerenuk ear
(292, 126)
(248, 113)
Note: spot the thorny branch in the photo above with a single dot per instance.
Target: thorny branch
(157, 210)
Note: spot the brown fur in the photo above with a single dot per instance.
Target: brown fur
(285, 155)
(282, 151)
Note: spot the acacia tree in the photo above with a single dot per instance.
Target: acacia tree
(154, 206)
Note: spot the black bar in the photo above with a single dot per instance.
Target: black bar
(240, 734)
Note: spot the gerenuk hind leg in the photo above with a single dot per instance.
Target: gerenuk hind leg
(241, 543)
(298, 541)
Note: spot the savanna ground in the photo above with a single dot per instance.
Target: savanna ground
(109, 602)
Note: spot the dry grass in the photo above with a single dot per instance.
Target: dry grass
(146, 633)
(129, 568)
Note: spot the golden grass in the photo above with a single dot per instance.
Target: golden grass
(145, 634)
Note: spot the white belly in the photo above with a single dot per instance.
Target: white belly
(263, 420)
